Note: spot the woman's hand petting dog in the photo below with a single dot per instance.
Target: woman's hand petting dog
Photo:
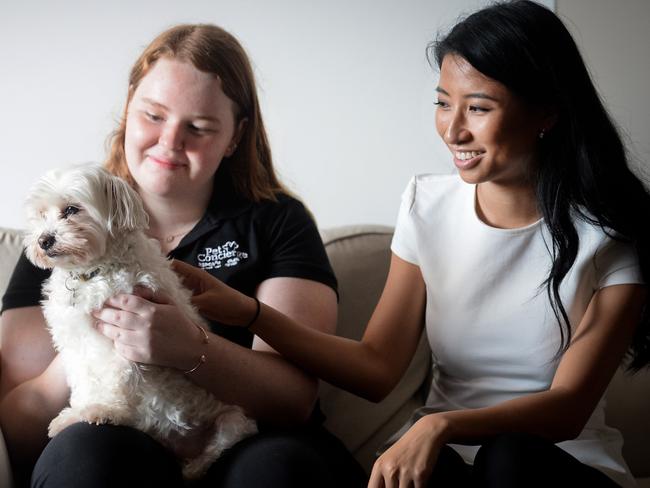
(147, 327)
(214, 299)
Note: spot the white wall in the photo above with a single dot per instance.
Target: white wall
(346, 90)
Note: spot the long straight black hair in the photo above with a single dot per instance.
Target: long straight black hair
(583, 167)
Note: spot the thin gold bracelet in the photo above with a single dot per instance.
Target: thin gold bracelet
(203, 358)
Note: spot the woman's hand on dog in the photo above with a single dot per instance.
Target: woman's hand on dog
(148, 328)
(214, 299)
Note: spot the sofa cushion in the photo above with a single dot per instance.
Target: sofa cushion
(360, 256)
(628, 409)
(11, 245)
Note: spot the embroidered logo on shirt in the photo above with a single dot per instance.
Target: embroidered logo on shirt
(226, 254)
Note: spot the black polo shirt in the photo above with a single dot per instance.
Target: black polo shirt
(238, 241)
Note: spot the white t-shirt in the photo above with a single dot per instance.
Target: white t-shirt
(492, 331)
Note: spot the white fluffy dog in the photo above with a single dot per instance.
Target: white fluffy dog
(87, 226)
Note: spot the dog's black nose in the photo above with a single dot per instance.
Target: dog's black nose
(46, 241)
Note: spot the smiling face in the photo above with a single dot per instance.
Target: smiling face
(179, 126)
(490, 131)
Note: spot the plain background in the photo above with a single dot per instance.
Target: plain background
(346, 91)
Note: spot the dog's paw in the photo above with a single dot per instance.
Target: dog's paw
(66, 418)
(102, 414)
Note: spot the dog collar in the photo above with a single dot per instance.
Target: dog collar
(75, 278)
(85, 276)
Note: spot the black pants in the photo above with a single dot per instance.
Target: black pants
(515, 461)
(103, 456)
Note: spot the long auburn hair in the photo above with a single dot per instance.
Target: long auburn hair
(582, 162)
(212, 50)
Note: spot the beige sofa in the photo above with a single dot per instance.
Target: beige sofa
(360, 256)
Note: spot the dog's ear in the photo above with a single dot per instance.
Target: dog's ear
(126, 211)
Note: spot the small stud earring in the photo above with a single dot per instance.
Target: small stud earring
(542, 133)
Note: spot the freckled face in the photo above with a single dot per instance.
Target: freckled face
(180, 124)
(490, 132)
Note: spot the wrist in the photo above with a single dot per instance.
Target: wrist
(440, 426)
(199, 351)
(254, 315)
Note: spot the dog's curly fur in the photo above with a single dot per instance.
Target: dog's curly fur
(88, 227)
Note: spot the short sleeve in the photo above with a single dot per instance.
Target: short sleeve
(295, 246)
(24, 288)
(617, 263)
(404, 238)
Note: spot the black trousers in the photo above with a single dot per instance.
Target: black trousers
(103, 456)
(516, 461)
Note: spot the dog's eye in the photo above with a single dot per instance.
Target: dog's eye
(69, 210)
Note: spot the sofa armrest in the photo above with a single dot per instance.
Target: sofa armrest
(11, 245)
(10, 249)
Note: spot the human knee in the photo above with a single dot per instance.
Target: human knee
(508, 459)
(283, 451)
(78, 439)
(513, 445)
(274, 461)
(103, 455)
(84, 439)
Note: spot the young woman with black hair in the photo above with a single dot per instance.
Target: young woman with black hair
(527, 270)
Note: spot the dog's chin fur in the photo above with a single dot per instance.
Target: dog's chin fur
(95, 252)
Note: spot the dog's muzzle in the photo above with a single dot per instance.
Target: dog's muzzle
(46, 241)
